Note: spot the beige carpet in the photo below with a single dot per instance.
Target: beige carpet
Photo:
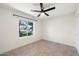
(43, 48)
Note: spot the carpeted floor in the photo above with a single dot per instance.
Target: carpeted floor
(43, 48)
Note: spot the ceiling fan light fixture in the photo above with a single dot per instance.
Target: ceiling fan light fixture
(42, 14)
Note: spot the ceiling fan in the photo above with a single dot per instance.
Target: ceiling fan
(42, 10)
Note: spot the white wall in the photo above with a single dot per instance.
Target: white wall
(59, 29)
(77, 29)
(9, 30)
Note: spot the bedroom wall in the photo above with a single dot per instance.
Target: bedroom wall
(9, 30)
(77, 28)
(59, 29)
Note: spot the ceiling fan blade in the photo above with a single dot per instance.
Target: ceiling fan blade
(35, 11)
(39, 15)
(46, 14)
(49, 9)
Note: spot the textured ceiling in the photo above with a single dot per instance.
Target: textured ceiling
(61, 8)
